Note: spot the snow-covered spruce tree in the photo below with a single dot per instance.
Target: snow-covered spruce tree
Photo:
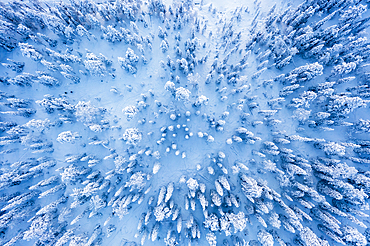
(95, 65)
(305, 73)
(129, 62)
(132, 136)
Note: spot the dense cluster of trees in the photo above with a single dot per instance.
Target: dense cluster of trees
(276, 188)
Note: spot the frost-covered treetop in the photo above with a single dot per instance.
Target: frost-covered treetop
(182, 94)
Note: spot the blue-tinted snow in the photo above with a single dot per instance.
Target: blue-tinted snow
(184, 122)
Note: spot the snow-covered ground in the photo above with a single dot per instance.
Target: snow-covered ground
(184, 122)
